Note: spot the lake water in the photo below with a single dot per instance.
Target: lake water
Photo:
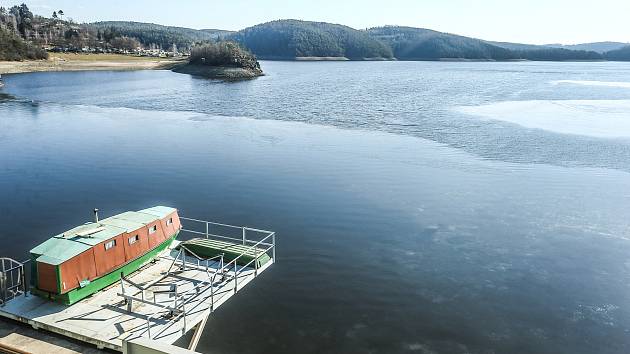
(420, 207)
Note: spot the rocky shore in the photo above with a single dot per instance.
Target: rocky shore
(228, 73)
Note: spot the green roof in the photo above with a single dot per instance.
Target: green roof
(75, 241)
(159, 211)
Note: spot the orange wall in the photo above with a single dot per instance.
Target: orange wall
(171, 229)
(138, 248)
(106, 260)
(158, 236)
(47, 277)
(76, 269)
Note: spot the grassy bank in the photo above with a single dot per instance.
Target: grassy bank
(76, 62)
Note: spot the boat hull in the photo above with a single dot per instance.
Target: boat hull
(243, 254)
(108, 279)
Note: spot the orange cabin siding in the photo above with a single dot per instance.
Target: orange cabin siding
(107, 260)
(47, 277)
(156, 237)
(169, 230)
(133, 251)
(76, 269)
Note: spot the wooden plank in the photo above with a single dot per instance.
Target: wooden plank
(199, 331)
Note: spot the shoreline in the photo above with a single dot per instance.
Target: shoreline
(120, 62)
(87, 62)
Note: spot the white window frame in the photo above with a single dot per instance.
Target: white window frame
(110, 244)
(152, 229)
(169, 222)
(134, 239)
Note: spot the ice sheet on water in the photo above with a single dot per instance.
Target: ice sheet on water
(596, 118)
(592, 83)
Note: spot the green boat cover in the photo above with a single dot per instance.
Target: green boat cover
(208, 248)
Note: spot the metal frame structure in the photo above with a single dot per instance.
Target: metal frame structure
(218, 274)
(12, 280)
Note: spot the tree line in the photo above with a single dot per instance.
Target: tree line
(223, 53)
(288, 39)
(422, 44)
(23, 34)
(16, 24)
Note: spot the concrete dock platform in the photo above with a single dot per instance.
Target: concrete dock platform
(107, 320)
(17, 337)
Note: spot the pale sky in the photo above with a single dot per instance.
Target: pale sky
(533, 21)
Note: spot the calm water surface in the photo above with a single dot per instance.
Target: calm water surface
(419, 207)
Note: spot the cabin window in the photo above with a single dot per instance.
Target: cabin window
(134, 239)
(153, 229)
(169, 222)
(110, 244)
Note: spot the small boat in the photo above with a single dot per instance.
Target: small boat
(80, 262)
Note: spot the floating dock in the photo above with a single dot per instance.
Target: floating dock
(159, 303)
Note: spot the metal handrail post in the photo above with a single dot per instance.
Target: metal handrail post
(212, 296)
(207, 229)
(3, 287)
(24, 284)
(256, 265)
(235, 278)
(273, 250)
(149, 326)
(244, 230)
(184, 311)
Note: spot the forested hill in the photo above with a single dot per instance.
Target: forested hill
(516, 46)
(622, 54)
(599, 47)
(558, 54)
(12, 47)
(218, 33)
(288, 39)
(150, 33)
(410, 43)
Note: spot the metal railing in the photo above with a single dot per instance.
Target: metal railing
(12, 280)
(219, 274)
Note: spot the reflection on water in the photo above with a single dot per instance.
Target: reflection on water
(6, 97)
(450, 237)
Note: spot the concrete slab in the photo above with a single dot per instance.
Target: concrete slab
(17, 337)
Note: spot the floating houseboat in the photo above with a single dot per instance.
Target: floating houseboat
(136, 282)
(79, 262)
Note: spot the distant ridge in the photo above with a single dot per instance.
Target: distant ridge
(409, 43)
(296, 39)
(599, 47)
(517, 46)
(621, 54)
